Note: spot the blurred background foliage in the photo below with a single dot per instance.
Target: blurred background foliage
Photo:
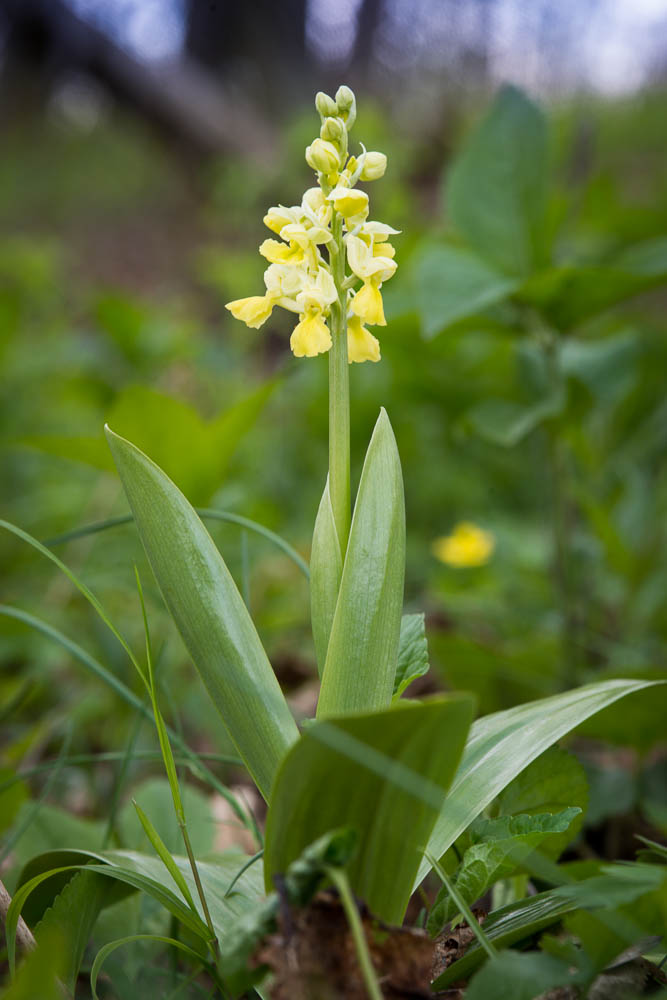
(523, 361)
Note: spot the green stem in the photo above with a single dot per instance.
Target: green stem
(557, 458)
(339, 394)
(200, 888)
(462, 906)
(339, 879)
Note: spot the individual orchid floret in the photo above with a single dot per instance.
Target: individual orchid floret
(329, 261)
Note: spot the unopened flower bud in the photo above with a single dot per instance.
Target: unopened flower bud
(333, 130)
(374, 167)
(323, 156)
(325, 105)
(347, 106)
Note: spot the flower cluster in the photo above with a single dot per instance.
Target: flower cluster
(319, 239)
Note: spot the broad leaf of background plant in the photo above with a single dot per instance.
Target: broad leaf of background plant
(209, 613)
(194, 451)
(519, 976)
(412, 661)
(326, 566)
(499, 846)
(384, 774)
(452, 283)
(155, 798)
(506, 423)
(501, 745)
(496, 188)
(361, 657)
(554, 781)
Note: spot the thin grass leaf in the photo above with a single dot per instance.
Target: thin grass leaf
(34, 808)
(192, 759)
(243, 869)
(206, 514)
(107, 950)
(164, 855)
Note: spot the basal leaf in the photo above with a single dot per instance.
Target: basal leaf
(385, 775)
(496, 187)
(326, 566)
(361, 657)
(501, 745)
(209, 613)
(518, 975)
(412, 659)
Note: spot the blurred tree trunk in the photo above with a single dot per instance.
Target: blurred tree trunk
(262, 45)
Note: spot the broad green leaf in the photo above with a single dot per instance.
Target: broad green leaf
(501, 745)
(326, 566)
(361, 657)
(52, 828)
(109, 948)
(496, 187)
(209, 613)
(194, 451)
(498, 849)
(39, 975)
(506, 423)
(572, 293)
(73, 915)
(383, 774)
(521, 976)
(452, 283)
(554, 781)
(412, 661)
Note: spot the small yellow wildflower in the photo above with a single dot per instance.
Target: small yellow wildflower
(361, 344)
(468, 545)
(374, 167)
(350, 203)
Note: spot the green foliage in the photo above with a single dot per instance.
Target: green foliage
(385, 774)
(498, 848)
(412, 661)
(361, 656)
(496, 190)
(209, 614)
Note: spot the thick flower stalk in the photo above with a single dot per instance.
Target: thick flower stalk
(328, 267)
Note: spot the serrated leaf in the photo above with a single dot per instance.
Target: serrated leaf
(496, 187)
(326, 567)
(554, 781)
(498, 849)
(501, 745)
(209, 613)
(452, 283)
(72, 917)
(361, 657)
(412, 660)
(385, 775)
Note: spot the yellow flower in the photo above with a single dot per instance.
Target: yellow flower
(374, 166)
(253, 311)
(351, 204)
(278, 217)
(468, 545)
(367, 305)
(323, 156)
(366, 264)
(361, 344)
(310, 336)
(281, 253)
